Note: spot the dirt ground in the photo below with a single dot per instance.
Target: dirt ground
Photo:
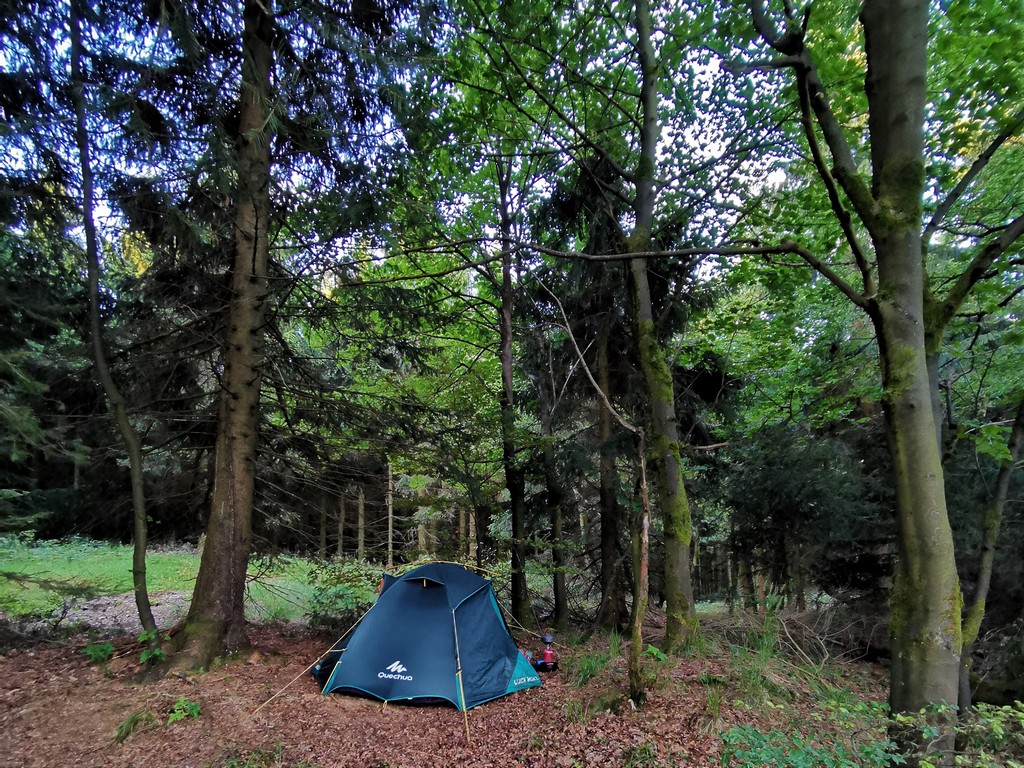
(58, 709)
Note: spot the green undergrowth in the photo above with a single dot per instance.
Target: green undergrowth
(797, 711)
(279, 589)
(341, 591)
(259, 758)
(146, 719)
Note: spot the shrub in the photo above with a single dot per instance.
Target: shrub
(745, 745)
(183, 708)
(98, 653)
(342, 591)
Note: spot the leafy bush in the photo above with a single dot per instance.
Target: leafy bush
(183, 708)
(342, 591)
(745, 745)
(98, 653)
(990, 737)
(993, 736)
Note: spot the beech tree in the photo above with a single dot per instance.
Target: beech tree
(881, 219)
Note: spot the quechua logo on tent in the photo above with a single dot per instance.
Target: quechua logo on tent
(395, 671)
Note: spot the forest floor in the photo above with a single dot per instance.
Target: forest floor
(59, 709)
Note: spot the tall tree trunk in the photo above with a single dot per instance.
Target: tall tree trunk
(341, 524)
(463, 532)
(991, 522)
(925, 602)
(515, 480)
(361, 524)
(745, 580)
(132, 444)
(612, 612)
(391, 516)
(325, 500)
(216, 619)
(641, 578)
(555, 497)
(473, 552)
(909, 321)
(422, 536)
(680, 620)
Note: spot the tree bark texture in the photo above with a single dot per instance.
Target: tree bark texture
(515, 480)
(361, 524)
(925, 602)
(555, 496)
(680, 620)
(325, 502)
(116, 401)
(926, 594)
(612, 612)
(216, 619)
(641, 542)
(391, 516)
(341, 525)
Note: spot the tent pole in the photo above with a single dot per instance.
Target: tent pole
(458, 676)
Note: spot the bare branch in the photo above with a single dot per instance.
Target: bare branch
(1013, 294)
(737, 250)
(976, 167)
(845, 166)
(791, 46)
(833, 193)
(789, 246)
(759, 66)
(976, 270)
(583, 364)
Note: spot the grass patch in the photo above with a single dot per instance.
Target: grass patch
(39, 579)
(135, 723)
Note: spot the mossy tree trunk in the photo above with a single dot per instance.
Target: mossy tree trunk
(640, 545)
(925, 602)
(216, 619)
(663, 431)
(909, 322)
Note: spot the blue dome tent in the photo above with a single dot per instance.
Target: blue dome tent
(435, 635)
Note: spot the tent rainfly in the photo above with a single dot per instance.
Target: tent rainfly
(435, 635)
